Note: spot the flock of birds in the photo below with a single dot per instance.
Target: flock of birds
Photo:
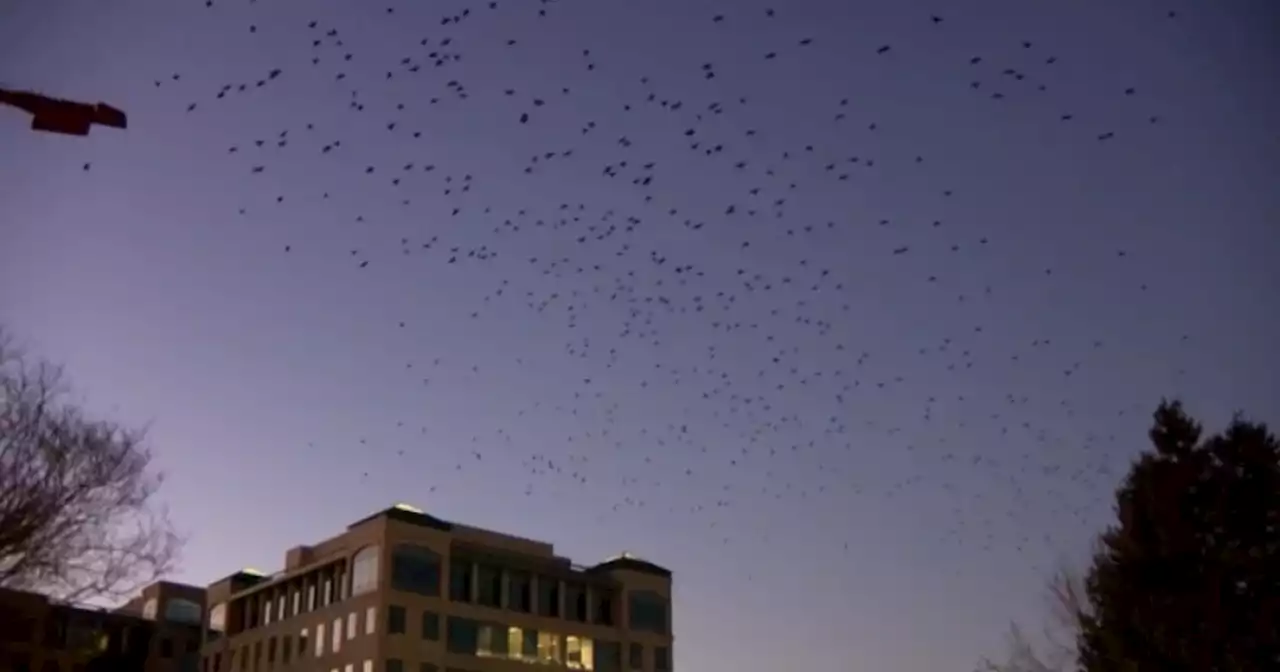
(751, 354)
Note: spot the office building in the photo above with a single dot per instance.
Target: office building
(159, 631)
(403, 591)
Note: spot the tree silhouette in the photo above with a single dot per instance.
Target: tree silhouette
(1189, 578)
(76, 520)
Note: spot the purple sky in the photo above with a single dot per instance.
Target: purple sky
(885, 496)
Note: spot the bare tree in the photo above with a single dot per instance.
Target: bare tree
(77, 517)
(1056, 651)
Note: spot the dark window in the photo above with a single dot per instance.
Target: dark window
(271, 650)
(490, 586)
(575, 598)
(428, 667)
(191, 646)
(257, 654)
(463, 635)
(520, 592)
(608, 656)
(431, 626)
(302, 644)
(529, 644)
(637, 656)
(661, 658)
(166, 648)
(395, 620)
(395, 665)
(415, 569)
(286, 646)
(602, 608)
(647, 612)
(548, 597)
(460, 581)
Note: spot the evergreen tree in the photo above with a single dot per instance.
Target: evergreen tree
(1188, 580)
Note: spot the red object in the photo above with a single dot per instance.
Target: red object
(63, 116)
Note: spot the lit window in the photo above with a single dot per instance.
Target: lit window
(578, 653)
(367, 666)
(364, 571)
(492, 641)
(351, 667)
(549, 648)
(515, 641)
(297, 602)
(327, 597)
(351, 625)
(336, 644)
(370, 620)
(150, 608)
(280, 608)
(415, 569)
(311, 597)
(319, 640)
(218, 617)
(266, 613)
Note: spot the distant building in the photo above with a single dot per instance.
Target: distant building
(159, 631)
(402, 591)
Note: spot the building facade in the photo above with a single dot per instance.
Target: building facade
(38, 634)
(403, 591)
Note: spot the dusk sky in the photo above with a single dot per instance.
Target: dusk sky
(857, 341)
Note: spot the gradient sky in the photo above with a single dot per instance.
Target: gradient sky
(941, 425)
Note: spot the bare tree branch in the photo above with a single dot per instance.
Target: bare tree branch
(1057, 652)
(77, 520)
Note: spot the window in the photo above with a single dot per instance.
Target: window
(460, 581)
(297, 602)
(635, 657)
(302, 643)
(489, 588)
(548, 597)
(415, 569)
(367, 667)
(150, 608)
(286, 648)
(520, 592)
(395, 665)
(271, 650)
(319, 640)
(395, 620)
(352, 625)
(648, 612)
(166, 648)
(431, 626)
(661, 658)
(326, 598)
(492, 641)
(280, 612)
(370, 620)
(578, 652)
(575, 602)
(364, 571)
(608, 656)
(462, 635)
(311, 597)
(218, 618)
(257, 654)
(549, 648)
(351, 667)
(428, 667)
(336, 645)
(266, 612)
(602, 606)
(523, 644)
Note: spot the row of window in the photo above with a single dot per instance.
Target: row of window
(527, 645)
(417, 569)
